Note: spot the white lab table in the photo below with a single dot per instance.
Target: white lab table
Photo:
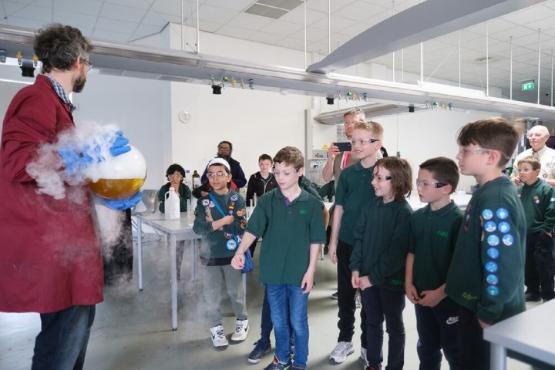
(175, 230)
(529, 333)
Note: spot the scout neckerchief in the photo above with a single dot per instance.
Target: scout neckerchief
(232, 240)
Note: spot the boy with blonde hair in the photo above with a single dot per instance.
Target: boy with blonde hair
(353, 193)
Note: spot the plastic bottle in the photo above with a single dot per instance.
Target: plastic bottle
(196, 179)
(171, 205)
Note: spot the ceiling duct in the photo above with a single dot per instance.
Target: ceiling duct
(370, 110)
(178, 65)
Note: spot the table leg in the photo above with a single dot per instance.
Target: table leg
(498, 360)
(195, 259)
(173, 280)
(140, 251)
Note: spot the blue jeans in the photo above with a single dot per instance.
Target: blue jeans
(63, 339)
(266, 325)
(288, 306)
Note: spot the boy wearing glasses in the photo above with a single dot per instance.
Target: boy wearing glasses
(433, 233)
(486, 275)
(353, 193)
(220, 218)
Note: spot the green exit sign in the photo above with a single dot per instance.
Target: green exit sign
(528, 85)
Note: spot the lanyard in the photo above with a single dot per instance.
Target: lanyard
(234, 240)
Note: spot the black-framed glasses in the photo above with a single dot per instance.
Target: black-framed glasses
(425, 184)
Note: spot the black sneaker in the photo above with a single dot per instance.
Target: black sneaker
(276, 365)
(260, 350)
(532, 297)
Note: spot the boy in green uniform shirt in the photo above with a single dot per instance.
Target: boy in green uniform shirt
(538, 200)
(486, 276)
(220, 218)
(353, 193)
(291, 225)
(433, 233)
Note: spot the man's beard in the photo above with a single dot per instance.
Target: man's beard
(79, 84)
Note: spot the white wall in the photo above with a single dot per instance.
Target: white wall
(255, 121)
(141, 108)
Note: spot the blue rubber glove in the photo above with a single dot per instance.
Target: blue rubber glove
(122, 204)
(120, 145)
(76, 160)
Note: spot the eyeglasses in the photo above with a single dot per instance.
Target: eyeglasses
(465, 152)
(362, 142)
(216, 174)
(87, 63)
(380, 178)
(425, 184)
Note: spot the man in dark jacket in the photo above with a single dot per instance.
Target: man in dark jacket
(238, 179)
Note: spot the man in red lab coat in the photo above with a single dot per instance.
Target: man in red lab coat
(50, 258)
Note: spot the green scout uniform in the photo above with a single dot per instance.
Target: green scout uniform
(353, 192)
(538, 201)
(487, 269)
(222, 243)
(381, 239)
(287, 231)
(433, 235)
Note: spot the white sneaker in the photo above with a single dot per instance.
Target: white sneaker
(340, 352)
(241, 331)
(363, 356)
(218, 337)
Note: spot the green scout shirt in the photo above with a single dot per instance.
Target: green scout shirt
(287, 231)
(184, 194)
(353, 192)
(222, 243)
(538, 201)
(381, 240)
(487, 269)
(433, 235)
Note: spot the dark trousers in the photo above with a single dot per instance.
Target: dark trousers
(539, 270)
(62, 341)
(118, 257)
(475, 351)
(438, 329)
(346, 297)
(379, 304)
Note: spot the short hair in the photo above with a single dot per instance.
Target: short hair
(374, 127)
(264, 157)
(355, 112)
(59, 46)
(175, 167)
(226, 142)
(401, 175)
(532, 161)
(290, 156)
(493, 133)
(444, 170)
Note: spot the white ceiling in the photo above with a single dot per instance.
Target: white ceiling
(127, 20)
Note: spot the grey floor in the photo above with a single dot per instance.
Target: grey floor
(132, 329)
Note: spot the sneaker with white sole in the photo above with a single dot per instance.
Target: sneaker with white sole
(341, 351)
(218, 337)
(241, 331)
